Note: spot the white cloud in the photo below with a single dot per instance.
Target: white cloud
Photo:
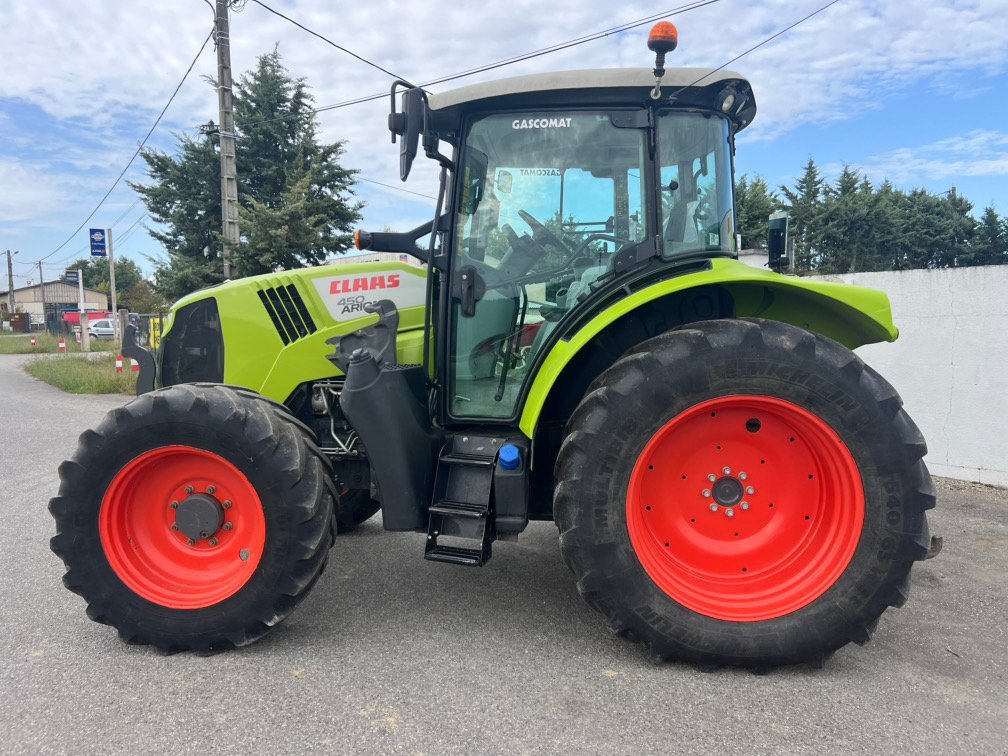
(975, 153)
(25, 194)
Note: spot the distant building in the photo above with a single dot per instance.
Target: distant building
(59, 298)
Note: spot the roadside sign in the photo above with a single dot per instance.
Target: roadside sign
(72, 276)
(97, 236)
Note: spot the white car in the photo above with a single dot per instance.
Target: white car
(101, 329)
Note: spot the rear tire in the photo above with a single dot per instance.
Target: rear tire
(130, 495)
(825, 523)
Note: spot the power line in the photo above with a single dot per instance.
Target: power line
(509, 61)
(137, 152)
(82, 250)
(392, 186)
(771, 38)
(125, 212)
(325, 39)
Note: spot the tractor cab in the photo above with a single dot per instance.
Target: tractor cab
(558, 187)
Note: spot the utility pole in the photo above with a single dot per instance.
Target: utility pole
(45, 315)
(111, 268)
(10, 283)
(228, 168)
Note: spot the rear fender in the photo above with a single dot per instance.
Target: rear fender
(851, 315)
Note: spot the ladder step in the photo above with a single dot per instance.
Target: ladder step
(454, 555)
(459, 509)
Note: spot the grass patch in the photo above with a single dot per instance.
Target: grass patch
(84, 376)
(46, 344)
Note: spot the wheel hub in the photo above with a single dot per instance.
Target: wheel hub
(199, 517)
(727, 491)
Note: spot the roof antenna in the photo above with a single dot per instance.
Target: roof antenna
(662, 40)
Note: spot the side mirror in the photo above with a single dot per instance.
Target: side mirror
(407, 124)
(777, 243)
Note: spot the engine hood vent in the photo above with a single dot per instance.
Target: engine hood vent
(287, 310)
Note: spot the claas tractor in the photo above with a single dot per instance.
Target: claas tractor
(571, 337)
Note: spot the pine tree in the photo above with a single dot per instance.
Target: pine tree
(991, 241)
(754, 202)
(804, 204)
(296, 201)
(184, 198)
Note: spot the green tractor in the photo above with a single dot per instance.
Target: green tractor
(576, 342)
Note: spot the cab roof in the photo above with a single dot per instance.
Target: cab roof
(602, 86)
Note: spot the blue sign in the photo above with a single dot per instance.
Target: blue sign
(97, 242)
(72, 277)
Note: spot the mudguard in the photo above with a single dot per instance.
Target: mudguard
(851, 315)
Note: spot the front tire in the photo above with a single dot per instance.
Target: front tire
(195, 517)
(742, 492)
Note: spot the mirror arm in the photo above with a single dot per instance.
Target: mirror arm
(405, 242)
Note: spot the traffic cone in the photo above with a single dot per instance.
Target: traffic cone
(77, 334)
(62, 345)
(33, 341)
(135, 366)
(118, 363)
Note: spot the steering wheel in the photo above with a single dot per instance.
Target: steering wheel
(541, 234)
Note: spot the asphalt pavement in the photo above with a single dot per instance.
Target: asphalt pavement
(390, 653)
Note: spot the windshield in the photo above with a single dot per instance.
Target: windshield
(696, 184)
(546, 200)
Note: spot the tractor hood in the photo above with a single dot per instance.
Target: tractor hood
(269, 332)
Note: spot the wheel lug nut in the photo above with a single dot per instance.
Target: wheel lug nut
(191, 542)
(212, 541)
(742, 476)
(227, 504)
(174, 505)
(189, 489)
(706, 493)
(744, 505)
(712, 477)
(713, 507)
(726, 470)
(750, 490)
(211, 489)
(228, 525)
(729, 512)
(174, 526)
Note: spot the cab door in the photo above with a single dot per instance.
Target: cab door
(544, 202)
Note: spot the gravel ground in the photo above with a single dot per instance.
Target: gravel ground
(394, 654)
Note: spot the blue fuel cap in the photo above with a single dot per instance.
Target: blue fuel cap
(510, 457)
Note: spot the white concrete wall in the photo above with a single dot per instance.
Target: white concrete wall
(950, 363)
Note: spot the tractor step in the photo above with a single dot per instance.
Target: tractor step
(461, 511)
(461, 522)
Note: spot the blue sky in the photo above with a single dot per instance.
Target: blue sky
(913, 91)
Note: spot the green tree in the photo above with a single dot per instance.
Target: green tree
(143, 298)
(296, 201)
(804, 204)
(990, 245)
(184, 199)
(96, 274)
(754, 202)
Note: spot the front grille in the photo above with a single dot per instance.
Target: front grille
(193, 350)
(287, 310)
